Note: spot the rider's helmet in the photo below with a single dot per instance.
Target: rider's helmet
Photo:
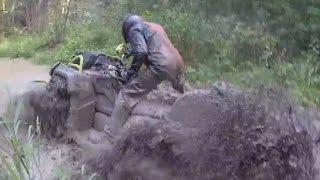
(128, 23)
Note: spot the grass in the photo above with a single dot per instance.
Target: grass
(21, 151)
(20, 160)
(23, 46)
(42, 50)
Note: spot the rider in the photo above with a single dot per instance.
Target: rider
(151, 46)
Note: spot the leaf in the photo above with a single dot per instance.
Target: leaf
(17, 112)
(16, 128)
(30, 134)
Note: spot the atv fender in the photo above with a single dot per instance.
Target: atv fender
(82, 98)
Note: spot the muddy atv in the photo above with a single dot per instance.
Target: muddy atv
(80, 97)
(221, 132)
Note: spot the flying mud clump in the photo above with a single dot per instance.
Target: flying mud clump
(217, 134)
(50, 103)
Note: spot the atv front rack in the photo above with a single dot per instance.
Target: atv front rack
(77, 63)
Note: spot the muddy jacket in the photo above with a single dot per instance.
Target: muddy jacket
(150, 45)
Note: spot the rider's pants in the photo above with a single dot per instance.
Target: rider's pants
(130, 95)
(134, 91)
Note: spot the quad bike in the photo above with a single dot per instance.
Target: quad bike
(80, 96)
(78, 100)
(220, 130)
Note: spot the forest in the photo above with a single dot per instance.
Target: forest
(245, 42)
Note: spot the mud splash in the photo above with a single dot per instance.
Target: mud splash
(15, 78)
(219, 134)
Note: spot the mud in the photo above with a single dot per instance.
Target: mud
(15, 78)
(218, 134)
(51, 105)
(104, 105)
(100, 120)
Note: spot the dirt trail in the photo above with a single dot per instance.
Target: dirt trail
(15, 74)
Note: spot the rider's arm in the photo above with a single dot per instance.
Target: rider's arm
(138, 49)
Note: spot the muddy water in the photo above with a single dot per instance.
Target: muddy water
(15, 75)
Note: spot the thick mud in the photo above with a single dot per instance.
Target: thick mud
(50, 103)
(219, 134)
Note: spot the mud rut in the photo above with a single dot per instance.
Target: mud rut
(220, 133)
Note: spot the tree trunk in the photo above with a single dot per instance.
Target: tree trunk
(66, 17)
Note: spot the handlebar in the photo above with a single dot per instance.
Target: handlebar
(74, 64)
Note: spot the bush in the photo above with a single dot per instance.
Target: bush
(94, 37)
(20, 159)
(23, 46)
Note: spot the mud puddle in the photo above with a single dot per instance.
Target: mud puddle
(15, 76)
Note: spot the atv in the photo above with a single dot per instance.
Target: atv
(222, 131)
(80, 97)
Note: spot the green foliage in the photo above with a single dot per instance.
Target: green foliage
(24, 45)
(19, 161)
(93, 36)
